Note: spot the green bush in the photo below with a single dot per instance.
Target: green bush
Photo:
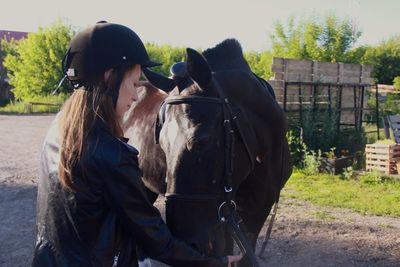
(311, 163)
(396, 83)
(297, 148)
(34, 68)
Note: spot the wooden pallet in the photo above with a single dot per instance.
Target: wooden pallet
(382, 157)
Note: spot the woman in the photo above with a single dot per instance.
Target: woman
(92, 207)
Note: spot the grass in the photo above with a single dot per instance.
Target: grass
(368, 195)
(21, 107)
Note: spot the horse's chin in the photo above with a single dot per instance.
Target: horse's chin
(211, 246)
(198, 226)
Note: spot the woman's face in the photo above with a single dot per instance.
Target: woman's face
(127, 91)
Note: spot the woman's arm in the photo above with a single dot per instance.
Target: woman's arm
(125, 193)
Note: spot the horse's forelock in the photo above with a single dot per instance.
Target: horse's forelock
(225, 54)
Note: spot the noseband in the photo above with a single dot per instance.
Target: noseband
(227, 209)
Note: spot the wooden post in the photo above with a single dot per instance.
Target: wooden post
(377, 109)
(339, 104)
(301, 104)
(284, 95)
(355, 105)
(361, 107)
(329, 101)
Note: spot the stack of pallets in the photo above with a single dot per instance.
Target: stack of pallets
(382, 157)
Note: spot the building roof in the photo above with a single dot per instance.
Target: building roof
(12, 35)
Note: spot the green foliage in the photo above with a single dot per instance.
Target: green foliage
(332, 191)
(302, 158)
(328, 40)
(35, 64)
(357, 55)
(330, 154)
(391, 105)
(396, 83)
(165, 54)
(311, 163)
(297, 148)
(351, 140)
(347, 174)
(260, 63)
(6, 48)
(374, 178)
(319, 129)
(386, 60)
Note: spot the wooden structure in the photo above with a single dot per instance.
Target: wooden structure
(382, 157)
(29, 106)
(394, 123)
(336, 88)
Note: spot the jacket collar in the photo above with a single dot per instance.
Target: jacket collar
(101, 127)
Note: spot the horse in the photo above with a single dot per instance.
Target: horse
(219, 147)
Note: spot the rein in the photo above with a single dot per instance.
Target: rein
(227, 213)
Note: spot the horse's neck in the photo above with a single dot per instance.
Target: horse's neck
(139, 128)
(139, 122)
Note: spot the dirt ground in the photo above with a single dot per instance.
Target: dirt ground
(303, 235)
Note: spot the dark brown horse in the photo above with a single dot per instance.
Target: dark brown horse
(197, 161)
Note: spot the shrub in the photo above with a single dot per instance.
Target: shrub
(34, 68)
(396, 83)
(297, 148)
(311, 162)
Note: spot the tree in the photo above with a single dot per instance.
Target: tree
(260, 63)
(386, 60)
(34, 68)
(165, 54)
(329, 40)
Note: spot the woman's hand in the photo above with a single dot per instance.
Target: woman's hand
(234, 258)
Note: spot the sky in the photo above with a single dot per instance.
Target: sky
(202, 23)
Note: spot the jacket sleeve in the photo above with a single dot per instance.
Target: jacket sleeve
(126, 194)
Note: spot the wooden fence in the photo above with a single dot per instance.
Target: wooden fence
(303, 85)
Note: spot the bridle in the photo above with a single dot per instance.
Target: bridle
(227, 213)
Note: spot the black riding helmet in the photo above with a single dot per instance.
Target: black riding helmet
(105, 46)
(102, 47)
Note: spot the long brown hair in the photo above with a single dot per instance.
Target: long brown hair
(78, 116)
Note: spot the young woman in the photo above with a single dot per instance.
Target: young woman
(92, 207)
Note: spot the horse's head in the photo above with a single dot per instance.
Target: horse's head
(209, 141)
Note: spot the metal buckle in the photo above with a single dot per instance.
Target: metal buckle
(228, 190)
(232, 203)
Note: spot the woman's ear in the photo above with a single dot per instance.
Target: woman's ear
(198, 68)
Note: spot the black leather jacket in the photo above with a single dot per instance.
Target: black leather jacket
(101, 224)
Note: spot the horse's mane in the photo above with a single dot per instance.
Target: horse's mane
(227, 54)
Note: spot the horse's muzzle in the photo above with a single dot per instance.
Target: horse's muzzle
(196, 222)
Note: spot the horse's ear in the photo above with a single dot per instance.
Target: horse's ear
(197, 67)
(158, 80)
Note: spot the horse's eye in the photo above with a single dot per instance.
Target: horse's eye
(196, 144)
